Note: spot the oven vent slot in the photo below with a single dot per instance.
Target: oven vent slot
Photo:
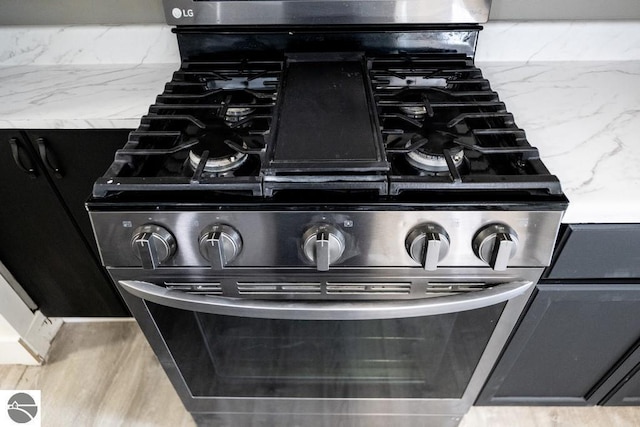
(196, 288)
(279, 288)
(369, 288)
(455, 288)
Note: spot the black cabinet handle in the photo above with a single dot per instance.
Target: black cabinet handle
(48, 158)
(25, 166)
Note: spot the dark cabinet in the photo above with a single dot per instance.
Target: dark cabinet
(628, 392)
(74, 159)
(624, 382)
(566, 345)
(597, 251)
(576, 343)
(45, 237)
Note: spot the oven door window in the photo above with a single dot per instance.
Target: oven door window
(422, 357)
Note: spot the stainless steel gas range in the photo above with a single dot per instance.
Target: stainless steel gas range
(322, 221)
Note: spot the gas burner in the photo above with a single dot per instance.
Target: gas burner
(236, 114)
(221, 159)
(430, 157)
(415, 112)
(218, 164)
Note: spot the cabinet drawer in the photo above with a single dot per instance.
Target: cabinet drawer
(597, 251)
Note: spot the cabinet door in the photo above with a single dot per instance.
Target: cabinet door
(566, 344)
(628, 392)
(75, 159)
(41, 245)
(622, 388)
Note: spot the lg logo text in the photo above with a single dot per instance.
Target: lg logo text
(182, 13)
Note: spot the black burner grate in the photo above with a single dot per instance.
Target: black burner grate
(436, 121)
(211, 108)
(422, 99)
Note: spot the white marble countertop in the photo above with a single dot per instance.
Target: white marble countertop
(79, 96)
(583, 115)
(584, 118)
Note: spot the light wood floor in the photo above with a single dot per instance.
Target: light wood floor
(105, 374)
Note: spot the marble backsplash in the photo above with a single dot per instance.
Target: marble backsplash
(559, 41)
(75, 45)
(148, 44)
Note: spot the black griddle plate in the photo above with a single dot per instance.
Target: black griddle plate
(325, 120)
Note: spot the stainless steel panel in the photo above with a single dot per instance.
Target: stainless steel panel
(119, 12)
(326, 420)
(331, 12)
(324, 310)
(374, 239)
(420, 409)
(300, 285)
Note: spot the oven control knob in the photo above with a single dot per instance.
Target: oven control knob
(496, 244)
(323, 244)
(153, 245)
(428, 244)
(220, 244)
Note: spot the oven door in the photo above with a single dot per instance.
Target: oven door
(408, 356)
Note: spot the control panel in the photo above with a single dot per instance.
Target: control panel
(323, 241)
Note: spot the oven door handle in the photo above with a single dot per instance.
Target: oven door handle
(324, 310)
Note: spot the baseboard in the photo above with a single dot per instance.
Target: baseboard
(94, 319)
(18, 353)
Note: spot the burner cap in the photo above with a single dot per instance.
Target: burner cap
(222, 158)
(430, 156)
(415, 112)
(236, 114)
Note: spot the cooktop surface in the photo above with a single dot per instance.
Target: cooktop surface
(385, 124)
